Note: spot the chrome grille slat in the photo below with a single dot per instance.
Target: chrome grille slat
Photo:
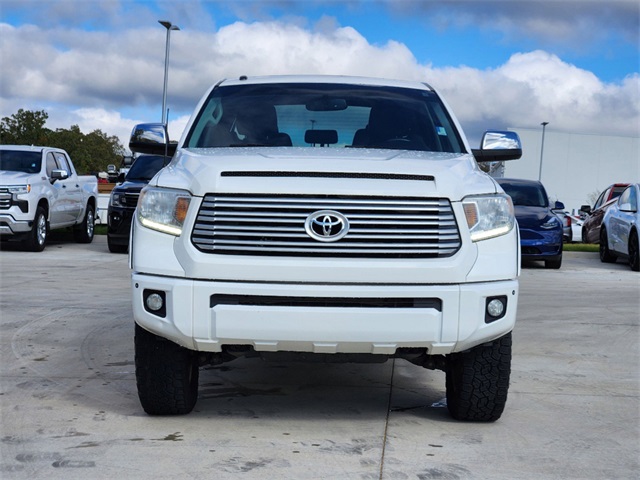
(274, 225)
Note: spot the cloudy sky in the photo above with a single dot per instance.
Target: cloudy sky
(499, 63)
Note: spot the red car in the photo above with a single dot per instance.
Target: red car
(591, 226)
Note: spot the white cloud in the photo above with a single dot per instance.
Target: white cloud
(91, 79)
(580, 23)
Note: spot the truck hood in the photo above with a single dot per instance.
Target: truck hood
(345, 171)
(17, 178)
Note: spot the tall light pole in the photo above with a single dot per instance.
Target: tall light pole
(544, 124)
(169, 26)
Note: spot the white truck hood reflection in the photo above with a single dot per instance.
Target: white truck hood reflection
(297, 170)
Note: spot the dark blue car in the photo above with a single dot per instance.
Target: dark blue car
(540, 228)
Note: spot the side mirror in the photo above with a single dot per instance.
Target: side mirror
(559, 206)
(151, 138)
(585, 209)
(121, 177)
(58, 175)
(498, 146)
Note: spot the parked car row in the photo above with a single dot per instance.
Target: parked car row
(619, 230)
(591, 226)
(612, 221)
(543, 227)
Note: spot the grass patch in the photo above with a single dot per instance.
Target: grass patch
(100, 229)
(581, 247)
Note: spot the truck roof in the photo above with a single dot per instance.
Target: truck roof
(338, 79)
(28, 148)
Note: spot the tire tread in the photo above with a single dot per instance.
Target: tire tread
(478, 381)
(166, 375)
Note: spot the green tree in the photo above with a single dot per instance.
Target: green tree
(90, 153)
(24, 128)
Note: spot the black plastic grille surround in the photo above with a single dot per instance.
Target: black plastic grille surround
(379, 227)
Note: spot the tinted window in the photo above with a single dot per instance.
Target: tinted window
(526, 195)
(326, 116)
(19, 161)
(616, 192)
(600, 199)
(145, 167)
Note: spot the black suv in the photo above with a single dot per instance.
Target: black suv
(124, 199)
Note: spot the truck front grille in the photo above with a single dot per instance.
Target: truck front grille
(130, 199)
(379, 227)
(5, 199)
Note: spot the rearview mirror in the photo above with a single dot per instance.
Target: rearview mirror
(326, 104)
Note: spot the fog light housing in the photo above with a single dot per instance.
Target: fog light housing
(496, 308)
(155, 302)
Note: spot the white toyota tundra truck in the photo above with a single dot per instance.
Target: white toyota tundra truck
(327, 218)
(40, 191)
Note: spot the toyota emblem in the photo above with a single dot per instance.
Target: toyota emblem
(326, 225)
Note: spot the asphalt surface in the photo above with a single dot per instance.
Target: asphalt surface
(70, 410)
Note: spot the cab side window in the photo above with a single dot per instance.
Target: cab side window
(628, 199)
(63, 164)
(51, 164)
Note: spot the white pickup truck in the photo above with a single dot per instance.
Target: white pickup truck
(41, 191)
(324, 218)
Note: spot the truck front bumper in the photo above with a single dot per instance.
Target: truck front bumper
(10, 226)
(321, 318)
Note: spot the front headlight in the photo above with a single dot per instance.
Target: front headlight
(163, 209)
(116, 199)
(550, 223)
(19, 189)
(488, 216)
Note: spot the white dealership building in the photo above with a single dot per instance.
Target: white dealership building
(575, 167)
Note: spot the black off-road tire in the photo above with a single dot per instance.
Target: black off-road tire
(634, 252)
(116, 247)
(83, 233)
(166, 375)
(605, 254)
(478, 381)
(36, 239)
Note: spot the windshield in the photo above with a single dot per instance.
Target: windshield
(526, 195)
(145, 167)
(324, 116)
(20, 161)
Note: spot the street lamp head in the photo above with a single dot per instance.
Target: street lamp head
(544, 124)
(168, 25)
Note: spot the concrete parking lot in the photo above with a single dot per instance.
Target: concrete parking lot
(70, 409)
